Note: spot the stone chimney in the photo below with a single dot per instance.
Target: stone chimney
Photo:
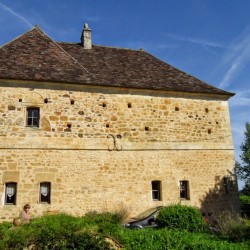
(86, 37)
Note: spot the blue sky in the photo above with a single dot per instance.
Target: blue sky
(209, 39)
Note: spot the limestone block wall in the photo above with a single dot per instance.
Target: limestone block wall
(101, 148)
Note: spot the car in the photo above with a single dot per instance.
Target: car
(149, 219)
(145, 219)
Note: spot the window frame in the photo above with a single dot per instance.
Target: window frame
(156, 190)
(32, 120)
(184, 190)
(14, 185)
(42, 199)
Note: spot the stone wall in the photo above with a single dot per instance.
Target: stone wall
(101, 148)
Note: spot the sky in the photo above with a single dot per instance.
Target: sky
(209, 39)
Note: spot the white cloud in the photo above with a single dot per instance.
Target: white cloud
(195, 41)
(242, 98)
(14, 13)
(236, 59)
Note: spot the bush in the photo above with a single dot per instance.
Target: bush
(245, 205)
(161, 239)
(181, 217)
(232, 227)
(54, 232)
(4, 226)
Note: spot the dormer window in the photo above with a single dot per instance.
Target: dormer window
(33, 116)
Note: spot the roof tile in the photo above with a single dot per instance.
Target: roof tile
(35, 56)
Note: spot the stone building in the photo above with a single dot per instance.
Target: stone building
(86, 127)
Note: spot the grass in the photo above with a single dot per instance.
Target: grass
(91, 231)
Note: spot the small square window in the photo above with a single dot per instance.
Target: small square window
(156, 190)
(184, 190)
(33, 116)
(45, 190)
(10, 193)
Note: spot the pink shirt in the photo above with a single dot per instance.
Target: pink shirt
(25, 217)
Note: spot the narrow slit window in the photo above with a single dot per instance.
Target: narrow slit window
(45, 191)
(33, 116)
(184, 190)
(10, 193)
(156, 190)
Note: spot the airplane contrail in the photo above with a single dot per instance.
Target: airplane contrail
(14, 13)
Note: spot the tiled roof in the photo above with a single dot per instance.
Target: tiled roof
(35, 56)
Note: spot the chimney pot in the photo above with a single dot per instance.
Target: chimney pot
(86, 37)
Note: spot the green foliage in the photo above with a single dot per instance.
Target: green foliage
(54, 232)
(245, 199)
(90, 232)
(233, 228)
(152, 239)
(181, 217)
(243, 169)
(245, 205)
(4, 227)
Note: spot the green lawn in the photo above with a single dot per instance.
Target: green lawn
(104, 231)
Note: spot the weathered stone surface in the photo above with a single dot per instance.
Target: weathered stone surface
(105, 158)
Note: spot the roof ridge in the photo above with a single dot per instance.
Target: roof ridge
(63, 50)
(114, 47)
(36, 26)
(104, 46)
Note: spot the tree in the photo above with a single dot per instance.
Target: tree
(243, 168)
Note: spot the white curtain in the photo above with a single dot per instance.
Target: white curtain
(44, 190)
(10, 190)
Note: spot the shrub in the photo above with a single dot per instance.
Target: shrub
(54, 232)
(232, 227)
(4, 226)
(181, 217)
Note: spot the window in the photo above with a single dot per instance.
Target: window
(184, 190)
(33, 115)
(10, 193)
(45, 188)
(156, 190)
(228, 184)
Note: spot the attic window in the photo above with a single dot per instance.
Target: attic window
(177, 109)
(129, 105)
(72, 102)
